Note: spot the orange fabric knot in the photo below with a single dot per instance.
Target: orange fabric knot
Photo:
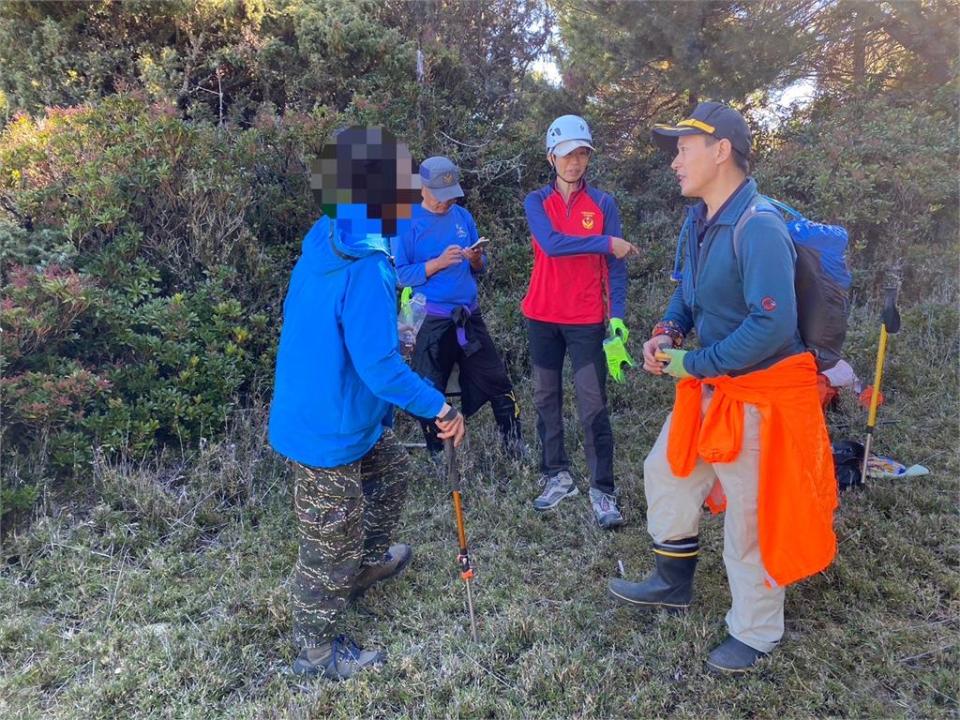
(797, 492)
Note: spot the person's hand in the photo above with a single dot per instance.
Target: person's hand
(621, 248)
(454, 428)
(650, 348)
(674, 360)
(474, 257)
(450, 256)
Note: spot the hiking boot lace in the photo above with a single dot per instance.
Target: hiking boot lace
(606, 502)
(346, 648)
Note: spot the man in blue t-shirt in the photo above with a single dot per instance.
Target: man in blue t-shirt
(440, 256)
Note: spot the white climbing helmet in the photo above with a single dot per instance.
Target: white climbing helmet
(567, 133)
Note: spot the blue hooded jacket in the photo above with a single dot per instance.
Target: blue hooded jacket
(338, 369)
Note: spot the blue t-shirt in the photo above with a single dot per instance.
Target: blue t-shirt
(428, 236)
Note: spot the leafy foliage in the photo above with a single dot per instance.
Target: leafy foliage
(153, 194)
(177, 238)
(884, 168)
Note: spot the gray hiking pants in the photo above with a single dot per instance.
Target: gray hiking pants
(549, 344)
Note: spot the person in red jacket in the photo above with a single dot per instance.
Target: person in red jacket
(578, 286)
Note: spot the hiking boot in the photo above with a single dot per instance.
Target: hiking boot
(670, 585)
(555, 489)
(605, 509)
(340, 659)
(393, 563)
(733, 656)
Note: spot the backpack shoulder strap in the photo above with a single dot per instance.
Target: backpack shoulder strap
(760, 205)
(677, 275)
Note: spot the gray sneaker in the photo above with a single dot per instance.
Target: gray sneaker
(555, 489)
(605, 508)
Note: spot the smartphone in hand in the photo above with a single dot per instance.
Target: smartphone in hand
(479, 244)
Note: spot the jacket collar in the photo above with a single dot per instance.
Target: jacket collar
(732, 209)
(331, 244)
(575, 195)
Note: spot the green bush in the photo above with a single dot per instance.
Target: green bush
(884, 167)
(143, 266)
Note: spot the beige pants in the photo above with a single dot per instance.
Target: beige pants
(674, 506)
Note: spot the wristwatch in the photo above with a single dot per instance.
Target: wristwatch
(451, 414)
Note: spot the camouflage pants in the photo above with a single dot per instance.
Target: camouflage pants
(346, 516)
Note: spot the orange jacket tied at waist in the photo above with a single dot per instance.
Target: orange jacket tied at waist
(797, 492)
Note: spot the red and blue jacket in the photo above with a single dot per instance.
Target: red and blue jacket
(576, 279)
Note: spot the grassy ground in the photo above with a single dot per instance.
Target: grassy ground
(166, 595)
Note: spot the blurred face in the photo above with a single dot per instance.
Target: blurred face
(696, 164)
(431, 203)
(367, 167)
(572, 166)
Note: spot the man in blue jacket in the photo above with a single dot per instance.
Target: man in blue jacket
(338, 374)
(737, 294)
(440, 256)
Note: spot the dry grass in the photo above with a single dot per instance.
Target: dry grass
(166, 596)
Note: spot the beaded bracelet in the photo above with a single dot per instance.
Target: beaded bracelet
(670, 328)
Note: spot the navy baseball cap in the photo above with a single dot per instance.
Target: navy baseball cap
(708, 118)
(442, 177)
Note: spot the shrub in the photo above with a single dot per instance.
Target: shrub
(143, 267)
(884, 168)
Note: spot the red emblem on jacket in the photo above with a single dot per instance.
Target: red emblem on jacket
(768, 304)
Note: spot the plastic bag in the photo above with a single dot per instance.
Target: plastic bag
(409, 319)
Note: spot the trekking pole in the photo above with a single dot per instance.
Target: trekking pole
(890, 325)
(463, 559)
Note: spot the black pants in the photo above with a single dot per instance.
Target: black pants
(549, 343)
(483, 376)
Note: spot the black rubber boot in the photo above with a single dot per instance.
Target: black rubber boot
(733, 656)
(670, 585)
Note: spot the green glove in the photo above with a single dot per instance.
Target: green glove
(618, 328)
(674, 357)
(617, 355)
(405, 295)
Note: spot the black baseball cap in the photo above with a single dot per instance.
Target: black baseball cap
(708, 118)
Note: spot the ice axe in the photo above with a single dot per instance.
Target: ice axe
(463, 558)
(890, 324)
